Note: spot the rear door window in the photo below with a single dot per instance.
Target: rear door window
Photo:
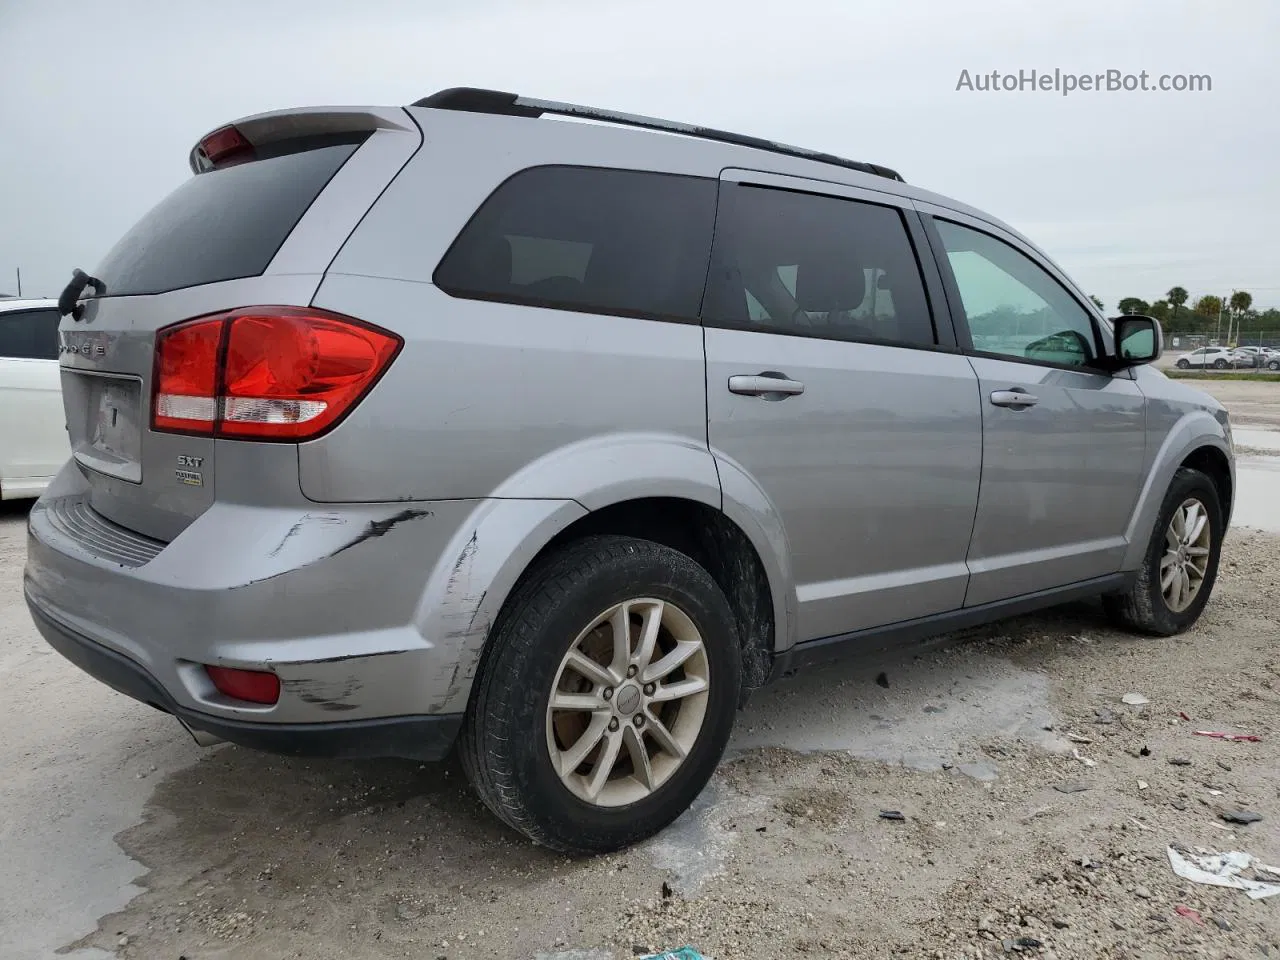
(599, 240)
(29, 335)
(818, 266)
(221, 225)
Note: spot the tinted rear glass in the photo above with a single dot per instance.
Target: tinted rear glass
(30, 335)
(817, 266)
(220, 225)
(590, 239)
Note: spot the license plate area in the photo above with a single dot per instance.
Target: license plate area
(109, 438)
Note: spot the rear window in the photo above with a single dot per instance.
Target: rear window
(221, 225)
(30, 335)
(590, 239)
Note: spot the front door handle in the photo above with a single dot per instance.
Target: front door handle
(771, 385)
(1014, 397)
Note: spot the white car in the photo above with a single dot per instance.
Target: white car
(1258, 356)
(1219, 358)
(33, 425)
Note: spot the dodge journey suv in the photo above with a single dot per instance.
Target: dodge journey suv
(547, 434)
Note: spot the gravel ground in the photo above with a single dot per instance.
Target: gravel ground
(252, 856)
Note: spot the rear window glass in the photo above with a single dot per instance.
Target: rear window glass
(30, 335)
(221, 225)
(590, 239)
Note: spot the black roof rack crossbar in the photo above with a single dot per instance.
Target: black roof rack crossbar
(475, 100)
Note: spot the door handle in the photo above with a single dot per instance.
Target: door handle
(764, 384)
(1014, 397)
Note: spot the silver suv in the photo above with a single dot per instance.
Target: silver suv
(472, 423)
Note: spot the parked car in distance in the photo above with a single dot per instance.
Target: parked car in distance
(470, 425)
(1219, 358)
(33, 432)
(1257, 356)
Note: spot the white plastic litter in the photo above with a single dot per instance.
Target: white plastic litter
(1134, 700)
(1223, 870)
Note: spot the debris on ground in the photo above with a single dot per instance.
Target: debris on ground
(1235, 737)
(1244, 817)
(1223, 870)
(891, 815)
(1134, 700)
(1073, 786)
(1187, 912)
(684, 953)
(1180, 761)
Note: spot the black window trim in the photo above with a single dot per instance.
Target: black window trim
(960, 318)
(549, 304)
(27, 311)
(930, 284)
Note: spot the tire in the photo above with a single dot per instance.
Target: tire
(1183, 365)
(1274, 365)
(1219, 364)
(1145, 608)
(508, 734)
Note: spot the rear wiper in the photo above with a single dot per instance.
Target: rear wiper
(68, 300)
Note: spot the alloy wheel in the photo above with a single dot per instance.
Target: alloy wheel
(1185, 561)
(628, 702)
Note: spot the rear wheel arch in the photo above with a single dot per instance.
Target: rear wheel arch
(708, 537)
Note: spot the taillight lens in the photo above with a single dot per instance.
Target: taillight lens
(269, 373)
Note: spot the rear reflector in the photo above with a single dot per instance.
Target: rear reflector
(265, 373)
(254, 686)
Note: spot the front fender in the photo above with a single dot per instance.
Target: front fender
(1194, 429)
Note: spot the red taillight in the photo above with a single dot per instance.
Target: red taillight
(255, 686)
(226, 146)
(270, 373)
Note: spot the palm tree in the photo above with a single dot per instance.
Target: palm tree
(1176, 296)
(1097, 302)
(1240, 303)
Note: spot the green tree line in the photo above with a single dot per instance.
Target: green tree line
(1206, 314)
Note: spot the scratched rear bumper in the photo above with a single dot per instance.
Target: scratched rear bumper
(327, 598)
(417, 737)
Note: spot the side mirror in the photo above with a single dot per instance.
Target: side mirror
(1139, 340)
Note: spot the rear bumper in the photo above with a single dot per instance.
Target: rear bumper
(426, 737)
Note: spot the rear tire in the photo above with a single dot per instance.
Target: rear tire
(1274, 365)
(575, 629)
(1154, 605)
(1219, 364)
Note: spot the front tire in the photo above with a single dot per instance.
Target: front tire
(606, 696)
(1274, 365)
(1219, 364)
(1180, 566)
(1184, 365)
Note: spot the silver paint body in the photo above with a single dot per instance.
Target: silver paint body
(889, 490)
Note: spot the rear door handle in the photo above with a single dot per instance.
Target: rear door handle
(1015, 397)
(764, 384)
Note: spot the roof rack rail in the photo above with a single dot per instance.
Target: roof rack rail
(476, 100)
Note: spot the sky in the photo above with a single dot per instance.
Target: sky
(1129, 192)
